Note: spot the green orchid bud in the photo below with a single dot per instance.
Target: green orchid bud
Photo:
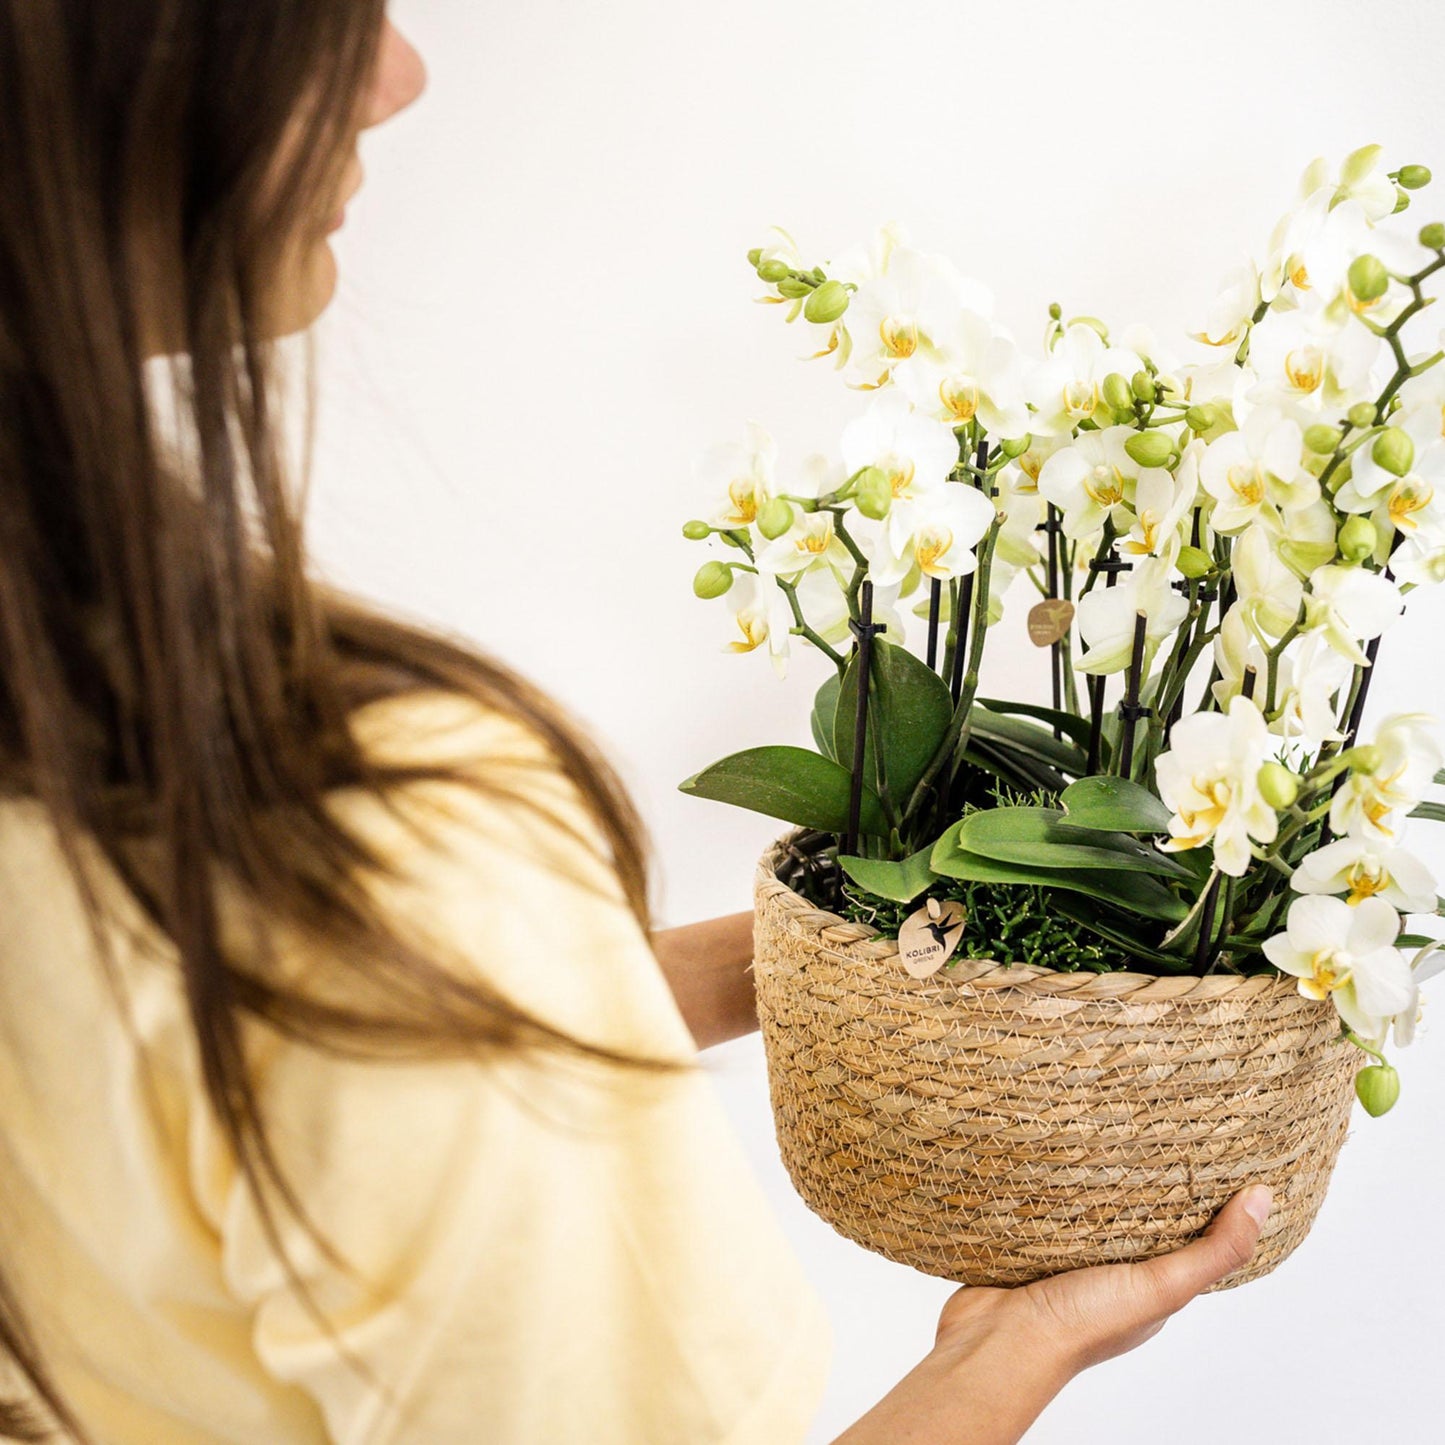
(1194, 563)
(1277, 785)
(1377, 1088)
(1149, 448)
(1362, 414)
(736, 538)
(1433, 236)
(774, 518)
(1117, 393)
(1358, 538)
(1322, 439)
(1014, 447)
(1394, 451)
(793, 288)
(1200, 418)
(1056, 312)
(713, 579)
(1365, 759)
(873, 493)
(696, 531)
(1414, 178)
(774, 271)
(1402, 201)
(1368, 278)
(755, 257)
(827, 303)
(1144, 386)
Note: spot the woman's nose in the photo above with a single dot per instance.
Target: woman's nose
(400, 77)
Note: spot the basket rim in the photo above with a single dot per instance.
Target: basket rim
(862, 940)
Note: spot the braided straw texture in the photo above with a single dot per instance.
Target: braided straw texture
(995, 1124)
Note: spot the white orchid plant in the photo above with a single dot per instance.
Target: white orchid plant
(1217, 546)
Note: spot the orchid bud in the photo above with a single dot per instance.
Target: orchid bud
(755, 257)
(1322, 439)
(1144, 386)
(1362, 414)
(1200, 418)
(873, 493)
(1194, 563)
(1377, 1088)
(1414, 178)
(1394, 451)
(773, 271)
(1368, 278)
(1358, 538)
(1149, 448)
(1117, 393)
(1013, 447)
(794, 289)
(1056, 311)
(713, 579)
(695, 531)
(775, 516)
(1365, 759)
(827, 303)
(738, 537)
(1433, 235)
(1277, 785)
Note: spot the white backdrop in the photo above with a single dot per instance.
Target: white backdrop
(545, 313)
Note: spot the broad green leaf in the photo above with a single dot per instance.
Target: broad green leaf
(1133, 892)
(794, 784)
(1027, 737)
(1430, 812)
(1036, 838)
(907, 722)
(1114, 804)
(1019, 770)
(1408, 940)
(825, 706)
(1440, 778)
(902, 882)
(1071, 725)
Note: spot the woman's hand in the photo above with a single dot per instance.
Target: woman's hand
(1000, 1355)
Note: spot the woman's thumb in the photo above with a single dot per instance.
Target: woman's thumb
(1226, 1245)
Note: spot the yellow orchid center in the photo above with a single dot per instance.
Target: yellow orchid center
(929, 547)
(1330, 970)
(899, 336)
(900, 474)
(1031, 464)
(754, 629)
(1298, 275)
(815, 540)
(743, 492)
(959, 395)
(1081, 399)
(1305, 367)
(1365, 879)
(1409, 497)
(1246, 481)
(1202, 821)
(1149, 521)
(1105, 484)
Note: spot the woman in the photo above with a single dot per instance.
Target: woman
(345, 1092)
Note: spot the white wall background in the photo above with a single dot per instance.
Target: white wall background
(545, 313)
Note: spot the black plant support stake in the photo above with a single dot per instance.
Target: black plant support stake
(965, 599)
(1110, 566)
(864, 631)
(1056, 649)
(1129, 710)
(935, 597)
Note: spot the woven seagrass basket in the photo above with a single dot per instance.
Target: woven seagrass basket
(994, 1124)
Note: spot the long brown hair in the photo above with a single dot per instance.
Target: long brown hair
(169, 668)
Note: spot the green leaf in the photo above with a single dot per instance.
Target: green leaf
(1413, 940)
(1114, 804)
(1117, 930)
(1135, 893)
(1026, 737)
(1431, 812)
(1037, 838)
(902, 882)
(1071, 725)
(910, 713)
(794, 784)
(1440, 778)
(825, 708)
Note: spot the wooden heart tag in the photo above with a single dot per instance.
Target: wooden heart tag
(1049, 620)
(928, 936)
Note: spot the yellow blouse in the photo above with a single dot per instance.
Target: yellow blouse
(558, 1260)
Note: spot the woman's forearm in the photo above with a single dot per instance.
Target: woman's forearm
(708, 966)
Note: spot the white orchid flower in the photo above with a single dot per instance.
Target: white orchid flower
(1347, 955)
(976, 371)
(1373, 804)
(1269, 593)
(1361, 869)
(811, 542)
(760, 615)
(1108, 616)
(1067, 387)
(1313, 676)
(1090, 479)
(1351, 605)
(1422, 402)
(1256, 472)
(1409, 504)
(1356, 180)
(742, 475)
(1237, 649)
(935, 532)
(1163, 503)
(1420, 559)
(1427, 962)
(1209, 778)
(1309, 367)
(914, 450)
(1233, 309)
